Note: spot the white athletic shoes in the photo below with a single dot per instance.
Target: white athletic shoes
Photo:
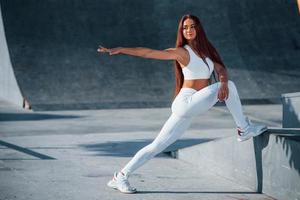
(120, 182)
(251, 131)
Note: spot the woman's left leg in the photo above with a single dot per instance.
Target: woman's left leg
(234, 105)
(205, 98)
(209, 96)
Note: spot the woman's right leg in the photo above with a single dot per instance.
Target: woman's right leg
(170, 132)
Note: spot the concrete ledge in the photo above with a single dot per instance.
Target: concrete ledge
(269, 163)
(295, 94)
(278, 164)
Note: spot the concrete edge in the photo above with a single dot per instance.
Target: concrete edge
(9, 88)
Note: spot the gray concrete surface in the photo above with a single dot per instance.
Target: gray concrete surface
(268, 163)
(53, 49)
(9, 89)
(72, 154)
(291, 110)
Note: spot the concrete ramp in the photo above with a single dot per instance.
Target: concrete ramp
(53, 49)
(9, 89)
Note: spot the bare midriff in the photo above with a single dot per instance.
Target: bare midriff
(196, 84)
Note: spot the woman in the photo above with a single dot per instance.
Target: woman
(195, 59)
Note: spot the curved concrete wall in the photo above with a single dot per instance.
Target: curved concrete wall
(53, 46)
(9, 89)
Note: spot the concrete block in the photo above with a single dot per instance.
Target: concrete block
(225, 157)
(268, 163)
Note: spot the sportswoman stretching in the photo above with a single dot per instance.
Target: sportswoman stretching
(196, 59)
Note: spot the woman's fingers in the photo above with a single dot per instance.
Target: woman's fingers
(226, 94)
(112, 51)
(102, 49)
(223, 94)
(220, 95)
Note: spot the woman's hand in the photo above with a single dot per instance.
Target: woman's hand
(223, 92)
(112, 51)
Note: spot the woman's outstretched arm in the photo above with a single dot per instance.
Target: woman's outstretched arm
(167, 54)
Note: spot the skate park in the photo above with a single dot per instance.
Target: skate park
(90, 113)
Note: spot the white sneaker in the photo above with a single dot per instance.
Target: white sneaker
(251, 131)
(120, 182)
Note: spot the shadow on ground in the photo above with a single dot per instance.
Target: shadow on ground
(32, 116)
(195, 192)
(129, 148)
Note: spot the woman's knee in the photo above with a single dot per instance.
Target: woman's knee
(232, 88)
(231, 83)
(178, 110)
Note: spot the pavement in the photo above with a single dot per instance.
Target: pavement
(72, 154)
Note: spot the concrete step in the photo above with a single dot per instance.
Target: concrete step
(268, 163)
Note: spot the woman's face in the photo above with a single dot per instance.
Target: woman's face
(188, 28)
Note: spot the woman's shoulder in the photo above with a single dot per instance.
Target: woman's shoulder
(184, 55)
(181, 54)
(178, 50)
(183, 50)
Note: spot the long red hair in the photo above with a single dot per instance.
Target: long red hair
(201, 45)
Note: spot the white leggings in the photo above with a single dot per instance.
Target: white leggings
(187, 104)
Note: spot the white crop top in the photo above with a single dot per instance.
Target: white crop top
(197, 69)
